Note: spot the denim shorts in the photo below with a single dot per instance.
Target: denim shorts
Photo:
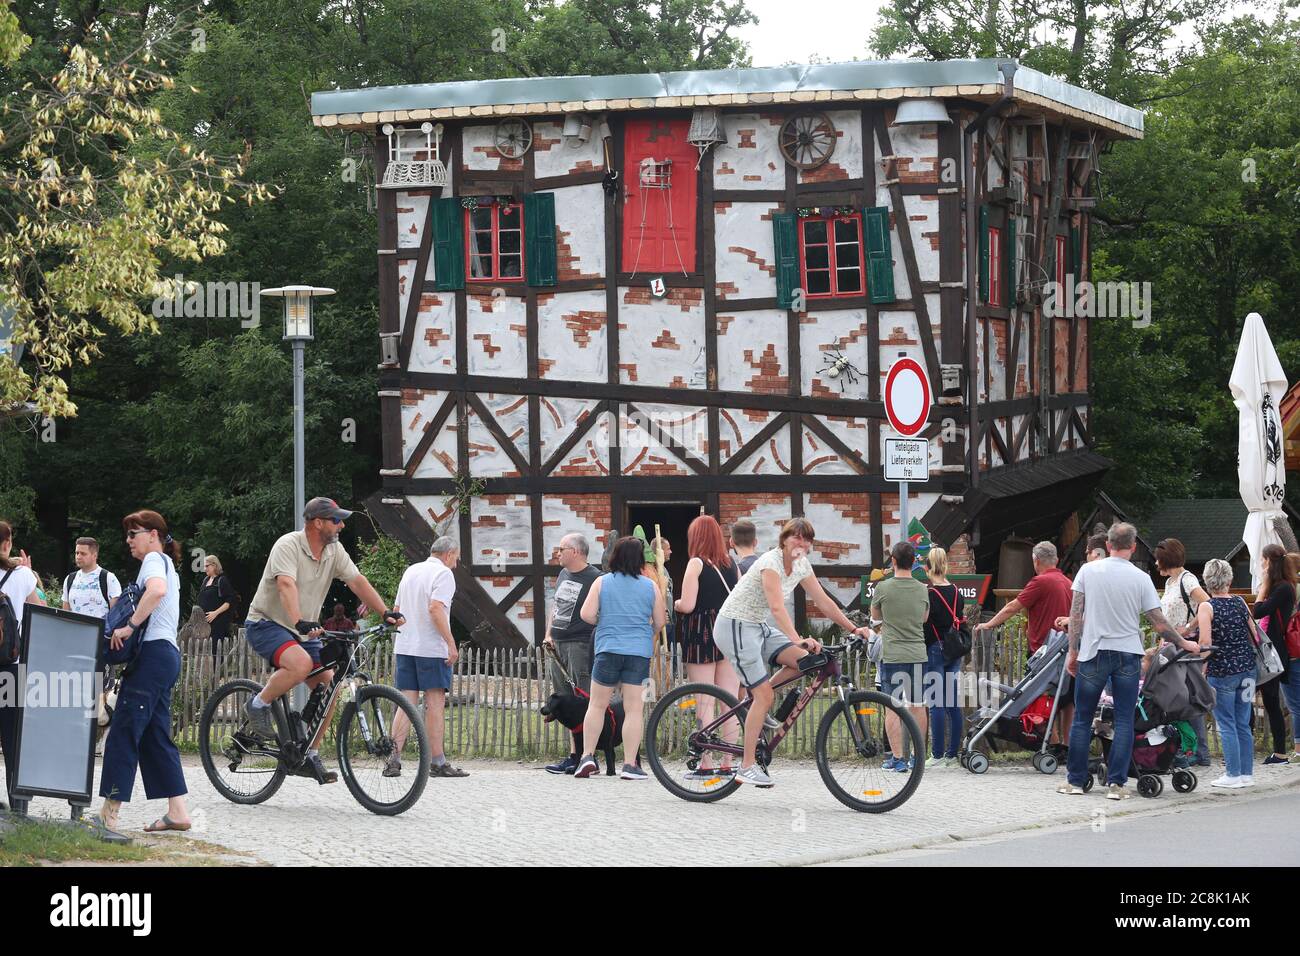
(610, 669)
(270, 640)
(422, 673)
(904, 682)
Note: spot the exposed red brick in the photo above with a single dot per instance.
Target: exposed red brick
(666, 341)
(754, 259)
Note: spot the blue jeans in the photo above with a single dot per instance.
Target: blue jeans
(1234, 696)
(1291, 691)
(1122, 671)
(941, 696)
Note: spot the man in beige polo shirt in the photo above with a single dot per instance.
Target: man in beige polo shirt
(282, 624)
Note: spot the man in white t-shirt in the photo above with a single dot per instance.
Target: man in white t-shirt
(426, 650)
(90, 589)
(1110, 596)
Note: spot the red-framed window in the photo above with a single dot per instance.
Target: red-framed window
(997, 268)
(830, 256)
(494, 243)
(1060, 264)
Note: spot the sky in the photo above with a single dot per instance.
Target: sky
(791, 32)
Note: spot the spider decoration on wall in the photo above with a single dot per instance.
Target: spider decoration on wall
(837, 366)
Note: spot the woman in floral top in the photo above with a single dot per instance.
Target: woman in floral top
(1225, 622)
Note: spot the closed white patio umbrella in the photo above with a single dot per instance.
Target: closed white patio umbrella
(1257, 385)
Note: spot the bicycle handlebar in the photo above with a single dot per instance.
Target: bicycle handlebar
(354, 636)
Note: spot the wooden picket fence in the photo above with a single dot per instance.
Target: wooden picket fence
(495, 695)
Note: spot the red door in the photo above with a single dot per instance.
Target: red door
(659, 209)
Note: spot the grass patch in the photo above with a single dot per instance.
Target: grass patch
(35, 842)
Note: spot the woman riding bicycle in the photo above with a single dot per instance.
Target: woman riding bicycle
(750, 644)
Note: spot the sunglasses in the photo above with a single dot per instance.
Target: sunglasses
(132, 534)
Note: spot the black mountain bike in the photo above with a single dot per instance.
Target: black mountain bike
(695, 737)
(247, 768)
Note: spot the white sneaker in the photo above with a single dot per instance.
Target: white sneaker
(935, 762)
(1246, 781)
(754, 775)
(1226, 781)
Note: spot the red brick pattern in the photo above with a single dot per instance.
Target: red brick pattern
(724, 289)
(582, 324)
(844, 584)
(503, 164)
(666, 341)
(768, 379)
(746, 139)
(732, 508)
(488, 348)
(687, 300)
(595, 510)
(568, 265)
(754, 259)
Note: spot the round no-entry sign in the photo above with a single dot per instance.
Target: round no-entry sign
(907, 397)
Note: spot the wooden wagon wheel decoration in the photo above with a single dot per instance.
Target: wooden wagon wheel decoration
(807, 140)
(514, 137)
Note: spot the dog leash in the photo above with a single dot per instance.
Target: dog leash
(578, 691)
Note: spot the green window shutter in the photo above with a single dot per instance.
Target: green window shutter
(539, 238)
(1009, 255)
(448, 244)
(1076, 253)
(984, 253)
(880, 256)
(785, 240)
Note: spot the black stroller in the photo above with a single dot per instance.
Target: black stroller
(1172, 691)
(1026, 712)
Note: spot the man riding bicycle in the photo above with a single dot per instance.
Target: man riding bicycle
(282, 620)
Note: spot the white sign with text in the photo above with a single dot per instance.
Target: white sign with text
(907, 459)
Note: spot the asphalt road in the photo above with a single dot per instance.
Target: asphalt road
(1244, 830)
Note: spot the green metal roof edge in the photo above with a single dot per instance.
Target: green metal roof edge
(864, 74)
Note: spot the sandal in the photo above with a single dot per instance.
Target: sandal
(166, 823)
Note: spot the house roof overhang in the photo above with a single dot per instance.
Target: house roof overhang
(822, 83)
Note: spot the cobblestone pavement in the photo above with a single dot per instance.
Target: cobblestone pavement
(516, 814)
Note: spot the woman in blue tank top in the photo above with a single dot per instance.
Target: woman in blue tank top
(627, 609)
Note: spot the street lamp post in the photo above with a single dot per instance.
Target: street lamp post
(298, 331)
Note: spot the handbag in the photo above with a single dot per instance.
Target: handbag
(956, 640)
(1268, 663)
(118, 616)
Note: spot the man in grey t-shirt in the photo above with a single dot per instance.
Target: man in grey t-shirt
(1110, 595)
(567, 633)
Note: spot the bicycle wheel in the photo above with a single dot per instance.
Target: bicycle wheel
(850, 758)
(366, 743)
(235, 760)
(681, 756)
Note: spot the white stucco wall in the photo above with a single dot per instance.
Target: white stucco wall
(580, 231)
(821, 332)
(661, 341)
(772, 458)
(571, 340)
(412, 212)
(646, 452)
(440, 518)
(418, 408)
(745, 255)
(736, 426)
(554, 157)
(433, 347)
(846, 161)
(498, 336)
(751, 157)
(488, 458)
(502, 526)
(752, 352)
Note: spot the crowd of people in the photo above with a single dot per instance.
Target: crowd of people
(732, 625)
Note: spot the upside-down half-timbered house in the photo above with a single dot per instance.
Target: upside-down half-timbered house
(603, 295)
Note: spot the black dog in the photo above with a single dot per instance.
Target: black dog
(570, 709)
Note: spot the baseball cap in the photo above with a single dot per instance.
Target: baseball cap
(325, 508)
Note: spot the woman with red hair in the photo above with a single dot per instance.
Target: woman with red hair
(710, 576)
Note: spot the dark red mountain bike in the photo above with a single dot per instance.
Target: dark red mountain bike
(695, 736)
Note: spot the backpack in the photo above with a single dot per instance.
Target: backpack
(103, 585)
(118, 616)
(10, 632)
(1293, 636)
(956, 640)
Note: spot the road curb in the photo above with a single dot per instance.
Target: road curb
(1144, 808)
